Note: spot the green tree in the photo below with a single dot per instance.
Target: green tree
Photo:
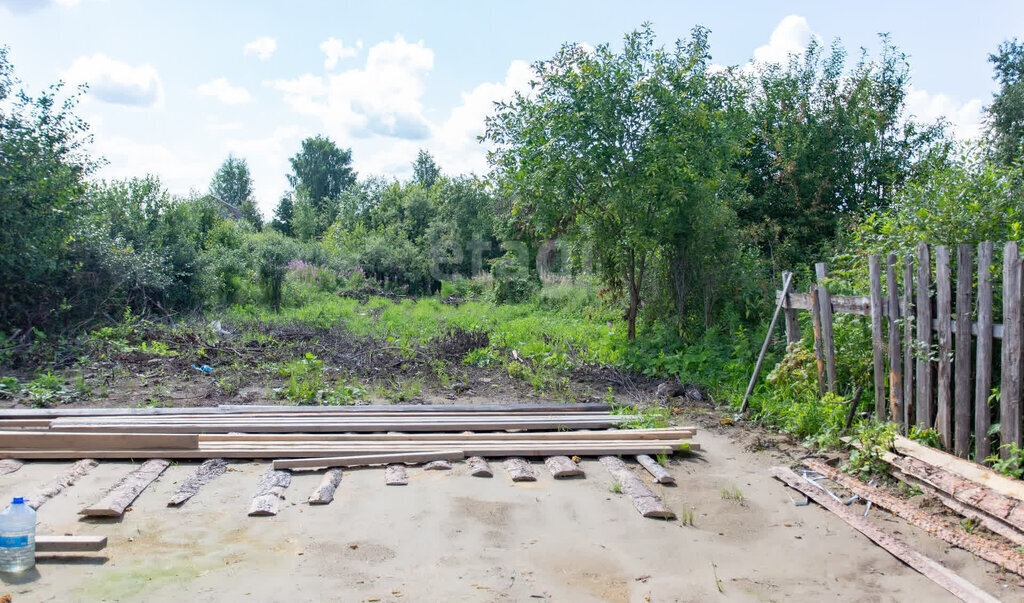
(424, 170)
(283, 215)
(232, 184)
(1006, 113)
(323, 171)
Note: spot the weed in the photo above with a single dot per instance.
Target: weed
(968, 525)
(928, 437)
(1012, 465)
(44, 390)
(305, 379)
(642, 418)
(686, 517)
(732, 493)
(662, 458)
(616, 488)
(874, 438)
(9, 386)
(718, 582)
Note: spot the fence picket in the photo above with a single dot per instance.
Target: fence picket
(827, 338)
(943, 302)
(895, 369)
(877, 341)
(983, 360)
(908, 340)
(962, 363)
(925, 410)
(1009, 388)
(819, 354)
(792, 324)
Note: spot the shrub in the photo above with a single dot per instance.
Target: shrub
(513, 281)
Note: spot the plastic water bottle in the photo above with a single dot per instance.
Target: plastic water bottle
(17, 537)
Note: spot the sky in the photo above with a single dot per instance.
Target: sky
(177, 86)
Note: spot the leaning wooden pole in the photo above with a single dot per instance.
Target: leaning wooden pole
(767, 340)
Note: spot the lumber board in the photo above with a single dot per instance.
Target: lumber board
(369, 459)
(895, 345)
(792, 319)
(819, 353)
(1004, 556)
(941, 575)
(944, 337)
(9, 466)
(983, 359)
(924, 400)
(395, 475)
(908, 342)
(324, 492)
(964, 468)
(877, 338)
(205, 473)
(126, 490)
(1012, 350)
(658, 433)
(644, 499)
(827, 336)
(520, 470)
(478, 467)
(438, 465)
(44, 440)
(660, 474)
(962, 362)
(67, 478)
(46, 543)
(562, 467)
(286, 426)
(270, 493)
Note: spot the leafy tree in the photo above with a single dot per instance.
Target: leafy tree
(232, 184)
(1006, 113)
(323, 171)
(424, 170)
(283, 214)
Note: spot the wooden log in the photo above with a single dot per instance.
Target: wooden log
(562, 467)
(520, 470)
(46, 543)
(999, 554)
(827, 338)
(57, 440)
(657, 433)
(983, 360)
(877, 338)
(895, 366)
(270, 493)
(764, 347)
(1013, 345)
(9, 466)
(126, 490)
(974, 472)
(928, 567)
(792, 321)
(962, 363)
(943, 301)
(438, 465)
(324, 493)
(369, 459)
(644, 499)
(819, 350)
(478, 467)
(925, 401)
(62, 481)
(908, 342)
(205, 473)
(660, 474)
(394, 475)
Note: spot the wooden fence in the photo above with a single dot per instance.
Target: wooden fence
(925, 373)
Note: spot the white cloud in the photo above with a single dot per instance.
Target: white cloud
(215, 124)
(263, 48)
(117, 82)
(790, 36)
(267, 157)
(179, 172)
(965, 119)
(336, 51)
(223, 91)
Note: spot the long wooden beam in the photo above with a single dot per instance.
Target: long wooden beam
(370, 459)
(70, 544)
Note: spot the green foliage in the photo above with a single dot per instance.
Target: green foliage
(232, 184)
(320, 172)
(424, 170)
(1005, 116)
(305, 380)
(513, 281)
(873, 438)
(641, 417)
(928, 437)
(1012, 465)
(732, 493)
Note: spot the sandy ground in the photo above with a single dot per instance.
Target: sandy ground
(451, 537)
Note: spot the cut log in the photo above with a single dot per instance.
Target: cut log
(270, 493)
(520, 470)
(62, 481)
(964, 468)
(127, 490)
(478, 467)
(941, 575)
(1001, 555)
(9, 466)
(661, 475)
(562, 467)
(394, 475)
(324, 493)
(70, 544)
(644, 499)
(204, 474)
(439, 465)
(370, 459)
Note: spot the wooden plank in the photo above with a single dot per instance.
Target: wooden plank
(925, 401)
(944, 381)
(764, 348)
(644, 499)
(819, 353)
(478, 467)
(56, 440)
(520, 470)
(47, 543)
(908, 342)
(962, 467)
(369, 459)
(827, 338)
(562, 467)
(394, 475)
(324, 492)
(438, 465)
(1013, 345)
(270, 493)
(205, 473)
(660, 474)
(61, 482)
(9, 466)
(877, 338)
(983, 360)
(895, 349)
(944, 577)
(962, 363)
(792, 321)
(1004, 556)
(656, 433)
(126, 490)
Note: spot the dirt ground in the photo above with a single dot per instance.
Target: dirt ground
(451, 537)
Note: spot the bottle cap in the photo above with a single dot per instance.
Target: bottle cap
(18, 501)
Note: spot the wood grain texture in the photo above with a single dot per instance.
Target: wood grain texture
(270, 493)
(644, 499)
(877, 336)
(61, 482)
(124, 492)
(520, 470)
(792, 321)
(438, 465)
(205, 473)
(9, 466)
(895, 365)
(1013, 345)
(908, 342)
(395, 475)
(944, 336)
(827, 337)
(819, 348)
(478, 467)
(660, 474)
(924, 401)
(962, 363)
(983, 358)
(324, 492)
(46, 543)
(562, 467)
(966, 469)
(366, 460)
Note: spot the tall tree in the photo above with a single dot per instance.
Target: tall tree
(322, 170)
(232, 184)
(424, 170)
(1006, 113)
(283, 214)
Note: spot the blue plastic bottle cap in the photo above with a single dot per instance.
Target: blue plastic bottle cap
(18, 501)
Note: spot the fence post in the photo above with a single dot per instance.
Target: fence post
(983, 361)
(908, 340)
(1009, 404)
(962, 363)
(943, 303)
(827, 339)
(895, 369)
(925, 413)
(877, 342)
(819, 355)
(792, 324)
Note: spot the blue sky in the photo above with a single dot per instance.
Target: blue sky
(177, 86)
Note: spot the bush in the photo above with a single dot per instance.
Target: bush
(513, 281)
